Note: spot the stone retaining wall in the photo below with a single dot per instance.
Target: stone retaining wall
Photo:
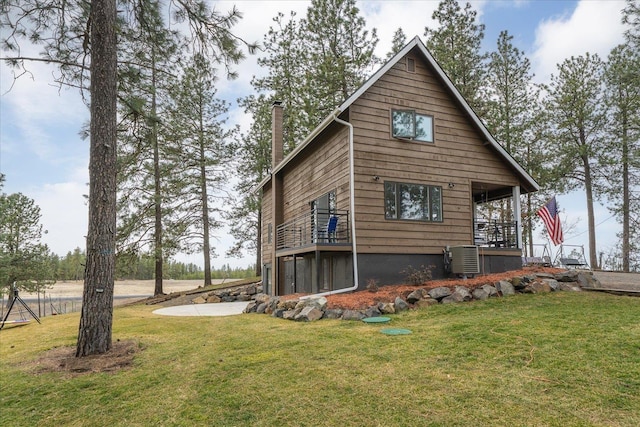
(315, 308)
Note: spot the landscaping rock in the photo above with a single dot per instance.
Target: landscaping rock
(505, 288)
(372, 312)
(309, 314)
(320, 303)
(553, 283)
(519, 282)
(278, 312)
(439, 292)
(567, 276)
(251, 290)
(242, 297)
(352, 315)
(569, 286)
(261, 298)
(289, 314)
(333, 313)
(251, 307)
(417, 295)
(460, 294)
(272, 305)
(261, 308)
(400, 304)
(464, 292)
(539, 287)
(491, 290)
(199, 300)
(480, 294)
(287, 305)
(586, 279)
(214, 299)
(387, 307)
(456, 296)
(426, 302)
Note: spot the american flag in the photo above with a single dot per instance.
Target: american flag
(551, 219)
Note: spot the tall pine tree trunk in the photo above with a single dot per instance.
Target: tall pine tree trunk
(588, 186)
(157, 234)
(626, 231)
(206, 244)
(96, 319)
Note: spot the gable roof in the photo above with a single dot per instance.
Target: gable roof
(531, 184)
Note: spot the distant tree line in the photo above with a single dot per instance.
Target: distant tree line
(71, 267)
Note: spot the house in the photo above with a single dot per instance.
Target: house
(392, 178)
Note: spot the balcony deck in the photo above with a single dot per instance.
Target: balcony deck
(319, 230)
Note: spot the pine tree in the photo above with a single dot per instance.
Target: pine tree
(513, 116)
(339, 55)
(285, 78)
(201, 150)
(622, 155)
(456, 44)
(75, 33)
(24, 260)
(148, 51)
(631, 17)
(575, 105)
(254, 164)
(397, 43)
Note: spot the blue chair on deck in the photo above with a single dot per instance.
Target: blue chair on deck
(331, 229)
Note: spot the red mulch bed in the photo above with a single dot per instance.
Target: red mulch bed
(363, 299)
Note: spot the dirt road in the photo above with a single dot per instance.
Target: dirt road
(144, 288)
(137, 288)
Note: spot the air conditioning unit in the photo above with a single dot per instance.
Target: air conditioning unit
(464, 260)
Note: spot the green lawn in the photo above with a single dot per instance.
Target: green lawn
(556, 359)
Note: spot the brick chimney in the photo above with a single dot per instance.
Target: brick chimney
(277, 139)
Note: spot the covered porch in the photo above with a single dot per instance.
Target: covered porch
(497, 229)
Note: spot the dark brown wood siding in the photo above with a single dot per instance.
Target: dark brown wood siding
(322, 167)
(458, 156)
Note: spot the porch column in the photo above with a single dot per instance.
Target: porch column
(517, 214)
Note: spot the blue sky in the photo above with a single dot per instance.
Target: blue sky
(43, 156)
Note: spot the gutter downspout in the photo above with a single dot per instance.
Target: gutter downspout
(352, 207)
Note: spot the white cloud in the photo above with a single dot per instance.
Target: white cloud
(35, 111)
(64, 215)
(594, 27)
(388, 16)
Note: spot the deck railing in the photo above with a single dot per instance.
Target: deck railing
(495, 234)
(315, 227)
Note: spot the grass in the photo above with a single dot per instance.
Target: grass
(564, 359)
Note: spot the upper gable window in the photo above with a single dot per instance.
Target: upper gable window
(411, 65)
(407, 124)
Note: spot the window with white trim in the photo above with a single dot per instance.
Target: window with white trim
(407, 124)
(415, 202)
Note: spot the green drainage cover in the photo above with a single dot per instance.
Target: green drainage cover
(376, 319)
(395, 331)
